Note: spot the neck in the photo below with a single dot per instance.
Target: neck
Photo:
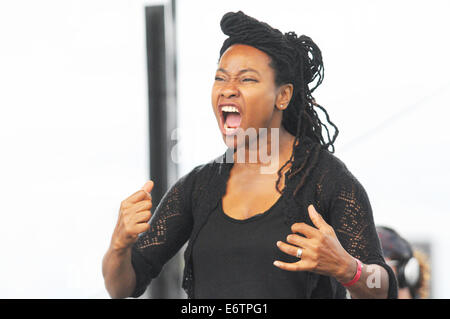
(269, 151)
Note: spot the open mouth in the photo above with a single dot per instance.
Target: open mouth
(230, 118)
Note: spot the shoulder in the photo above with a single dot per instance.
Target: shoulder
(335, 176)
(203, 171)
(340, 193)
(197, 179)
(326, 166)
(334, 167)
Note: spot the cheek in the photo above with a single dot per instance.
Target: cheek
(214, 92)
(260, 106)
(214, 97)
(261, 95)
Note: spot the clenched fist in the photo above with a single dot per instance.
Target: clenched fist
(133, 218)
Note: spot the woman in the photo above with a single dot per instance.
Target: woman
(304, 230)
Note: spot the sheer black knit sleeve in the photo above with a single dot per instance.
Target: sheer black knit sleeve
(170, 228)
(351, 217)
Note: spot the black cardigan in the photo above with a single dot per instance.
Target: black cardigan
(330, 186)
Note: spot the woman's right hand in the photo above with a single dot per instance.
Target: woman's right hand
(133, 218)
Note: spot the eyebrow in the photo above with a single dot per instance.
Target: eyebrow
(241, 71)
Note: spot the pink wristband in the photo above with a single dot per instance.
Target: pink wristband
(357, 276)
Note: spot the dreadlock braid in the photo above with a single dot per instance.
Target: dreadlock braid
(295, 60)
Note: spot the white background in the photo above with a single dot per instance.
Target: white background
(73, 139)
(73, 120)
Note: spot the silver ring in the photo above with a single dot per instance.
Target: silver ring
(299, 253)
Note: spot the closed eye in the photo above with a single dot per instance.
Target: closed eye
(246, 79)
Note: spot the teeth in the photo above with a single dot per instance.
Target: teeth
(229, 129)
(229, 108)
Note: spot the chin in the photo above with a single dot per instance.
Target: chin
(240, 138)
(231, 141)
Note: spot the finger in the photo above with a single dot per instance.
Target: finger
(140, 206)
(148, 186)
(142, 227)
(316, 218)
(297, 240)
(288, 266)
(305, 229)
(288, 249)
(143, 217)
(137, 197)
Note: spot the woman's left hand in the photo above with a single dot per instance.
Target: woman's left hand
(322, 252)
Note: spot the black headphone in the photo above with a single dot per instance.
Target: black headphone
(408, 272)
(401, 256)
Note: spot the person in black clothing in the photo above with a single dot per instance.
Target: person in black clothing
(303, 230)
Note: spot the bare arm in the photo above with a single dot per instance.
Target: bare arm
(119, 275)
(373, 283)
(118, 271)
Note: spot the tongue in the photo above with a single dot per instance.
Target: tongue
(233, 120)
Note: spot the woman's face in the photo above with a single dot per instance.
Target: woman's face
(244, 93)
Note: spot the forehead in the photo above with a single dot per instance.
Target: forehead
(240, 56)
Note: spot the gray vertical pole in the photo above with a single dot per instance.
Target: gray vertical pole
(161, 70)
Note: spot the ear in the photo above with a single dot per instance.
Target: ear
(284, 96)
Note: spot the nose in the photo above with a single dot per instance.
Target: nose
(229, 90)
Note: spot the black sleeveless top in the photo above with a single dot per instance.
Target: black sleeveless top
(234, 258)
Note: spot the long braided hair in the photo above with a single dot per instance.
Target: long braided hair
(295, 60)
